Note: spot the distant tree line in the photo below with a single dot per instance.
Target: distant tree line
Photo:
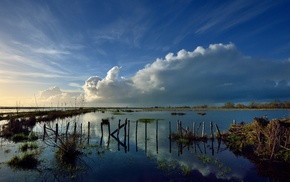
(276, 104)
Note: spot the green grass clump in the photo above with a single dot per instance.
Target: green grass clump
(26, 146)
(26, 161)
(19, 137)
(33, 136)
(69, 150)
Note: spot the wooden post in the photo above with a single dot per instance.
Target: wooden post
(67, 126)
(136, 134)
(234, 121)
(169, 137)
(157, 136)
(202, 132)
(145, 137)
(128, 143)
(218, 131)
(75, 128)
(44, 132)
(56, 132)
(125, 135)
(169, 131)
(89, 127)
(102, 129)
(180, 129)
(109, 130)
(211, 131)
(193, 129)
(212, 148)
(118, 129)
(81, 133)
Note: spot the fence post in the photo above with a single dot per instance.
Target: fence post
(128, 143)
(211, 132)
(89, 132)
(75, 128)
(218, 131)
(44, 132)
(193, 129)
(145, 137)
(202, 132)
(67, 126)
(136, 133)
(157, 136)
(56, 132)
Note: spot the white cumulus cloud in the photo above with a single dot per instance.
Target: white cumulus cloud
(218, 73)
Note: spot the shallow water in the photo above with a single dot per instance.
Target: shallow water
(154, 158)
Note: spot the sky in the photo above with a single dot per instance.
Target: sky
(143, 53)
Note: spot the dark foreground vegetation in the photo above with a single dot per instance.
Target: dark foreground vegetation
(23, 122)
(261, 140)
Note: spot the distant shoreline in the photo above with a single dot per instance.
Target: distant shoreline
(143, 108)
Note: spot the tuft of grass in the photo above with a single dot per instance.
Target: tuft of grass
(26, 146)
(19, 137)
(26, 161)
(69, 150)
(33, 136)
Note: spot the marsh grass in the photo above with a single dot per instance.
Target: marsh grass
(26, 161)
(68, 150)
(28, 146)
(19, 137)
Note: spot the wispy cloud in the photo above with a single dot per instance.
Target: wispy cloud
(227, 15)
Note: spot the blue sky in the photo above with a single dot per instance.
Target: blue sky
(143, 53)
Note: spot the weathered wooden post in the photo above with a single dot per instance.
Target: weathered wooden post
(157, 136)
(81, 133)
(145, 137)
(169, 136)
(102, 129)
(193, 129)
(67, 126)
(218, 131)
(169, 131)
(109, 128)
(125, 135)
(212, 148)
(202, 132)
(44, 132)
(180, 129)
(89, 127)
(136, 134)
(75, 128)
(234, 121)
(56, 132)
(118, 129)
(128, 143)
(211, 131)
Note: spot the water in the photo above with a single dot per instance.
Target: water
(144, 159)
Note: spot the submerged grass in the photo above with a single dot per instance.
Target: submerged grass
(26, 161)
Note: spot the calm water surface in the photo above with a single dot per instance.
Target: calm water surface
(144, 159)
